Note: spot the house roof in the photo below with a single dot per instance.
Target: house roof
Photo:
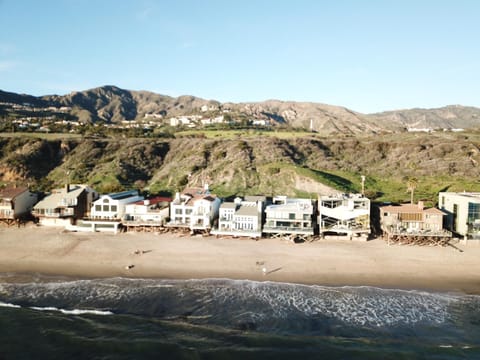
(292, 206)
(255, 198)
(228, 205)
(122, 195)
(247, 210)
(60, 197)
(10, 192)
(195, 193)
(410, 208)
(154, 200)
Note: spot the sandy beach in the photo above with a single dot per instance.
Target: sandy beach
(52, 251)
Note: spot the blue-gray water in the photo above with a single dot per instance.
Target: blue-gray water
(49, 318)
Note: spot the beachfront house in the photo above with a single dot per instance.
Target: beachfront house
(412, 223)
(195, 208)
(65, 206)
(107, 211)
(16, 203)
(151, 212)
(241, 217)
(112, 206)
(290, 217)
(344, 214)
(462, 214)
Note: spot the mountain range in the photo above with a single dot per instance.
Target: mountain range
(111, 104)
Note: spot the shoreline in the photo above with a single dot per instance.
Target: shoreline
(54, 252)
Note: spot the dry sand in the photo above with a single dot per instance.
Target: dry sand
(52, 251)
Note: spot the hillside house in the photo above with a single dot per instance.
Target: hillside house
(64, 206)
(195, 208)
(462, 214)
(241, 217)
(150, 213)
(344, 214)
(290, 216)
(412, 223)
(16, 203)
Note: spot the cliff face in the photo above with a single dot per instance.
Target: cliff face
(253, 165)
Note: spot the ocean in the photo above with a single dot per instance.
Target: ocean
(118, 318)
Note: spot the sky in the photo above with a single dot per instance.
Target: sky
(366, 55)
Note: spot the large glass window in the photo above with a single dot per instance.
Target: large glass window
(473, 212)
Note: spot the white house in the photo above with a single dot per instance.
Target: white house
(290, 216)
(150, 211)
(112, 206)
(107, 211)
(16, 203)
(241, 217)
(346, 214)
(195, 208)
(463, 214)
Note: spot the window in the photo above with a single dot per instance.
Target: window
(105, 207)
(473, 212)
(306, 216)
(178, 211)
(291, 216)
(113, 208)
(410, 217)
(105, 200)
(98, 207)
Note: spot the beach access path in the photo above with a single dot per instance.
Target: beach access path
(52, 251)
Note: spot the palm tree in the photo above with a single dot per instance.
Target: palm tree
(412, 183)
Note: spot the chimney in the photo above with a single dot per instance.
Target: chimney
(67, 188)
(420, 205)
(146, 202)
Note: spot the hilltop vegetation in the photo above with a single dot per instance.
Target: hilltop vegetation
(250, 164)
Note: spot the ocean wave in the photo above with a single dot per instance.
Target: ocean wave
(8, 305)
(74, 311)
(244, 304)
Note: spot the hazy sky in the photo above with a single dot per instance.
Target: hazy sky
(365, 55)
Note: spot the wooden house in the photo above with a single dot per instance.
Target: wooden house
(16, 203)
(413, 224)
(64, 206)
